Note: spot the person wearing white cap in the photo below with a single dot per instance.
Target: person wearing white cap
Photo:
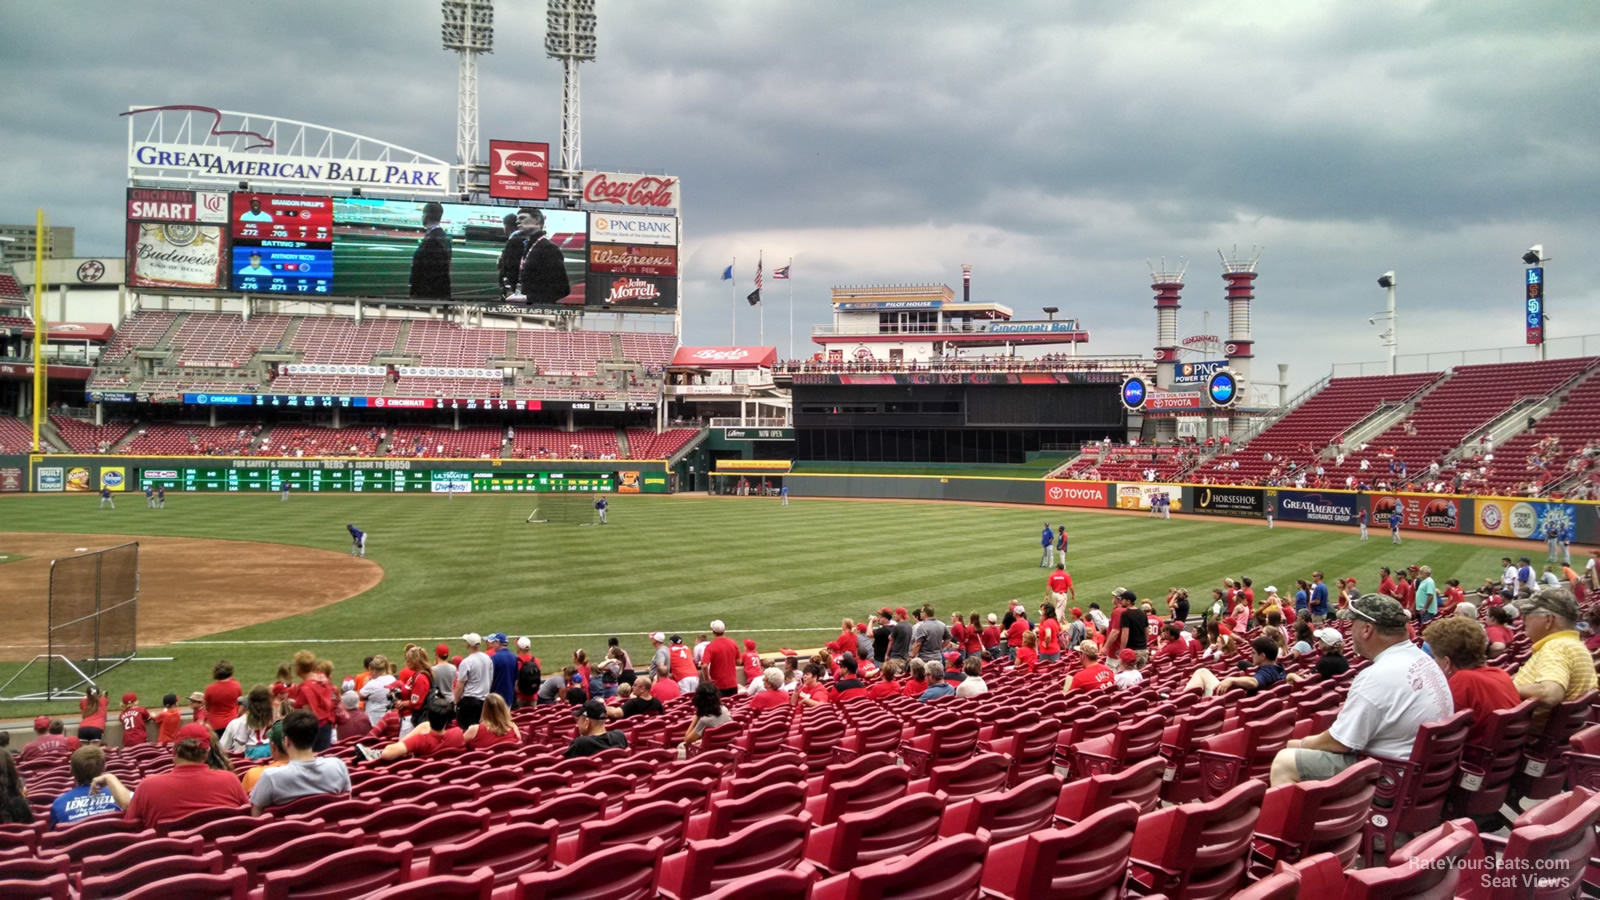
(721, 660)
(1332, 663)
(474, 677)
(660, 662)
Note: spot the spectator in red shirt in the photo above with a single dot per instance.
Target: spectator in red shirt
(1047, 636)
(1499, 630)
(721, 659)
(972, 638)
(772, 695)
(496, 726)
(197, 707)
(1093, 675)
(92, 727)
(917, 681)
(1459, 646)
(1386, 584)
(1172, 644)
(50, 739)
(991, 636)
(191, 786)
(1453, 595)
(1027, 656)
(812, 692)
(134, 718)
(887, 687)
(169, 720)
(1019, 627)
(436, 735)
(1061, 586)
(315, 692)
(222, 698)
(752, 664)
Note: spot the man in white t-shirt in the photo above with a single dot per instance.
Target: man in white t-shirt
(1508, 577)
(1389, 701)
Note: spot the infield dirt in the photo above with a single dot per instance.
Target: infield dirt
(188, 587)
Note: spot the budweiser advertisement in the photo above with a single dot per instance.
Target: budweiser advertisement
(1093, 494)
(519, 170)
(632, 291)
(726, 357)
(618, 189)
(630, 259)
(656, 231)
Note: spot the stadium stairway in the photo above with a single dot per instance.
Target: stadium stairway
(623, 449)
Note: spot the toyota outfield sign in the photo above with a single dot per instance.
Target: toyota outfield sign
(1092, 494)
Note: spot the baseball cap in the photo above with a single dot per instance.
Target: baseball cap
(1272, 589)
(1128, 657)
(129, 697)
(280, 690)
(441, 650)
(886, 612)
(1077, 612)
(1377, 609)
(717, 626)
(197, 697)
(658, 637)
(993, 618)
(1329, 636)
(42, 723)
(749, 645)
(1556, 601)
(900, 611)
(197, 731)
(499, 637)
(523, 643)
(472, 639)
(861, 627)
(591, 709)
(677, 639)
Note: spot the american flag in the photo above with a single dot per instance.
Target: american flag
(758, 275)
(780, 274)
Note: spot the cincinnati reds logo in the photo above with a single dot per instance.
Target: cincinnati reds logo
(91, 271)
(1231, 349)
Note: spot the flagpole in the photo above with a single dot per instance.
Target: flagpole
(762, 317)
(790, 279)
(733, 341)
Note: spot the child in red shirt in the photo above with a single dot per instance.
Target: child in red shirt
(169, 720)
(1027, 656)
(133, 718)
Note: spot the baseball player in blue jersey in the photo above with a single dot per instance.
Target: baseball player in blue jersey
(161, 496)
(1048, 539)
(359, 541)
(600, 507)
(1395, 518)
(149, 497)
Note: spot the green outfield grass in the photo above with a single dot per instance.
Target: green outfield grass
(675, 563)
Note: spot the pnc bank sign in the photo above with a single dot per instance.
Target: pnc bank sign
(1092, 494)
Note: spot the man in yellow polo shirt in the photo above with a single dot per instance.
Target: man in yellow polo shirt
(1560, 668)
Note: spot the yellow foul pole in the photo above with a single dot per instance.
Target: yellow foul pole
(40, 331)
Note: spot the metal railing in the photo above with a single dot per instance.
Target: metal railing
(1413, 363)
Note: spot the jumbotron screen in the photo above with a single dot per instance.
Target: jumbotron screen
(424, 481)
(263, 243)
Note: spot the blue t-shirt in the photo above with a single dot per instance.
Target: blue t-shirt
(1046, 537)
(1268, 675)
(1300, 600)
(1319, 598)
(504, 681)
(78, 804)
(935, 691)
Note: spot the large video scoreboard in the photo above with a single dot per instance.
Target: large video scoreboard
(436, 481)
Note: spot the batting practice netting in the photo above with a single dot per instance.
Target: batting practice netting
(93, 625)
(565, 508)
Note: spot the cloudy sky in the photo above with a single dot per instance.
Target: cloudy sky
(1056, 146)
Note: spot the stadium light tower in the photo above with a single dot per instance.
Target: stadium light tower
(469, 30)
(1390, 336)
(569, 37)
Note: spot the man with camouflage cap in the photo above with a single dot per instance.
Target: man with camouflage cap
(1389, 701)
(1560, 668)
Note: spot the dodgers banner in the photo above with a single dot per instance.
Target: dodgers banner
(1313, 506)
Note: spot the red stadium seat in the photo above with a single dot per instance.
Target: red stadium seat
(664, 821)
(1556, 842)
(120, 882)
(706, 865)
(1026, 808)
(1544, 769)
(1244, 752)
(725, 818)
(232, 826)
(1180, 747)
(1300, 820)
(695, 792)
(53, 887)
(868, 792)
(881, 734)
(1489, 763)
(1437, 865)
(949, 869)
(941, 744)
(28, 867)
(867, 837)
(232, 884)
(99, 845)
(142, 852)
(203, 817)
(1197, 850)
(264, 837)
(982, 773)
(1087, 860)
(784, 884)
(570, 809)
(337, 812)
(1031, 748)
(348, 873)
(476, 885)
(96, 827)
(507, 850)
(449, 827)
(447, 795)
(851, 770)
(294, 852)
(1139, 784)
(1277, 886)
(627, 872)
(766, 776)
(1133, 741)
(1412, 791)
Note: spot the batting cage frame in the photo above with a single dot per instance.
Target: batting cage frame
(93, 621)
(565, 508)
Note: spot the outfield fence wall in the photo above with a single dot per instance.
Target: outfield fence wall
(1518, 518)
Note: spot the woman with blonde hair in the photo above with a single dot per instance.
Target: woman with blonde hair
(414, 689)
(375, 691)
(495, 727)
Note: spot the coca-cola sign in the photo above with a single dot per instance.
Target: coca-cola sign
(627, 259)
(632, 291)
(617, 189)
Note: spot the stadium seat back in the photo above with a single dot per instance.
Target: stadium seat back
(1555, 841)
(982, 773)
(867, 837)
(732, 815)
(1139, 784)
(867, 792)
(142, 852)
(948, 869)
(766, 776)
(783, 884)
(1007, 814)
(507, 850)
(1411, 792)
(664, 821)
(571, 809)
(1434, 867)
(1299, 820)
(694, 791)
(1086, 860)
(448, 827)
(476, 885)
(1544, 770)
(627, 872)
(709, 864)
(295, 852)
(169, 863)
(1198, 849)
(264, 837)
(1490, 762)
(1180, 745)
(348, 873)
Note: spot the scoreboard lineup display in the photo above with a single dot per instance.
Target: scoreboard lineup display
(426, 481)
